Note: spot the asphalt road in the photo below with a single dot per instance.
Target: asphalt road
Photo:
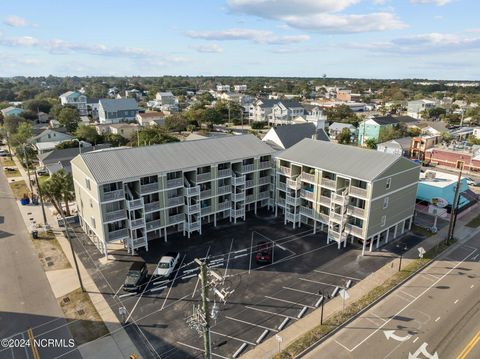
(434, 315)
(26, 299)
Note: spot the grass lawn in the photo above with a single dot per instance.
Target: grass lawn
(421, 231)
(474, 223)
(83, 320)
(50, 252)
(15, 173)
(6, 161)
(19, 188)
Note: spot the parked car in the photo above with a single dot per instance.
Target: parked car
(3, 153)
(42, 172)
(473, 182)
(264, 253)
(167, 264)
(135, 277)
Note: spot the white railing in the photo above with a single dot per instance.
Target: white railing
(194, 226)
(237, 181)
(307, 211)
(249, 183)
(334, 235)
(354, 230)
(292, 217)
(326, 182)
(174, 201)
(337, 217)
(264, 180)
(323, 217)
(202, 177)
(307, 195)
(263, 195)
(206, 210)
(115, 215)
(205, 194)
(285, 170)
(193, 208)
(153, 224)
(150, 187)
(238, 212)
(281, 202)
(175, 182)
(224, 173)
(265, 164)
(238, 196)
(135, 204)
(339, 199)
(359, 192)
(325, 200)
(224, 205)
(250, 198)
(307, 177)
(294, 201)
(294, 184)
(176, 218)
(121, 233)
(224, 189)
(112, 195)
(193, 191)
(152, 206)
(135, 223)
(355, 211)
(248, 168)
(282, 186)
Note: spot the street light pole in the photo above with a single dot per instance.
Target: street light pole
(401, 256)
(25, 157)
(323, 302)
(453, 214)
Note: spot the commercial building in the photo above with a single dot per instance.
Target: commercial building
(454, 157)
(139, 194)
(355, 194)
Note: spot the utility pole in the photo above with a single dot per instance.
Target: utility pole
(41, 199)
(25, 157)
(204, 294)
(453, 214)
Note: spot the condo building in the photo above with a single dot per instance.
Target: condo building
(133, 195)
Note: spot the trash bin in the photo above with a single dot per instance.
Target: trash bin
(34, 234)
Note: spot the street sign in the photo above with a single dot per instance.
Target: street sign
(279, 338)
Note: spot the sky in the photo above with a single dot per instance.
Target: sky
(431, 39)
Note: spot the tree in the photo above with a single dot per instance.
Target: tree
(212, 116)
(176, 122)
(389, 133)
(447, 137)
(153, 135)
(69, 118)
(345, 136)
(59, 188)
(35, 106)
(115, 140)
(371, 143)
(23, 133)
(66, 144)
(341, 113)
(87, 133)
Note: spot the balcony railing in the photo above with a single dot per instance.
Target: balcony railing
(307, 177)
(294, 184)
(265, 164)
(224, 205)
(334, 235)
(113, 195)
(238, 196)
(174, 201)
(224, 173)
(285, 170)
(194, 226)
(307, 195)
(292, 217)
(339, 199)
(325, 200)
(248, 168)
(282, 186)
(224, 189)
(354, 230)
(359, 192)
(205, 194)
(237, 181)
(118, 234)
(135, 204)
(337, 217)
(263, 195)
(176, 218)
(281, 202)
(175, 182)
(206, 210)
(250, 198)
(323, 217)
(115, 215)
(202, 177)
(326, 182)
(249, 183)
(307, 211)
(355, 211)
(293, 201)
(152, 206)
(153, 224)
(193, 191)
(264, 180)
(238, 212)
(136, 223)
(193, 208)
(150, 187)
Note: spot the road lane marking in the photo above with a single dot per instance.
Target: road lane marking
(436, 320)
(411, 302)
(268, 312)
(379, 317)
(337, 275)
(428, 275)
(414, 340)
(301, 291)
(290, 302)
(317, 282)
(471, 344)
(234, 338)
(456, 301)
(201, 350)
(252, 324)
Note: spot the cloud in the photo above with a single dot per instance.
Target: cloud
(319, 15)
(257, 36)
(436, 2)
(209, 48)
(15, 21)
(19, 41)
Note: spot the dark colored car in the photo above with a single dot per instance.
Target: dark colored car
(264, 253)
(135, 277)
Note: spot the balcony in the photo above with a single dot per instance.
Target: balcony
(265, 164)
(137, 242)
(115, 215)
(337, 217)
(135, 204)
(339, 199)
(153, 225)
(194, 226)
(238, 212)
(175, 182)
(307, 177)
(263, 195)
(285, 170)
(294, 184)
(358, 192)
(264, 180)
(307, 212)
(152, 206)
(293, 201)
(324, 200)
(237, 181)
(238, 196)
(292, 217)
(224, 206)
(193, 191)
(174, 201)
(250, 198)
(118, 234)
(282, 186)
(329, 183)
(354, 230)
(204, 177)
(247, 168)
(193, 208)
(249, 183)
(356, 212)
(205, 194)
(176, 218)
(224, 190)
(334, 235)
(113, 195)
(206, 210)
(137, 223)
(307, 195)
(151, 187)
(281, 202)
(323, 217)
(224, 173)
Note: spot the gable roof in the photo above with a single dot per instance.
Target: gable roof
(67, 154)
(385, 120)
(346, 160)
(404, 143)
(292, 134)
(47, 131)
(121, 104)
(122, 163)
(338, 126)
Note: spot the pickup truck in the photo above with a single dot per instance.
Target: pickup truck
(167, 264)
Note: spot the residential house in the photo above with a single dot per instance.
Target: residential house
(336, 128)
(416, 108)
(261, 109)
(117, 110)
(240, 88)
(399, 146)
(48, 139)
(151, 118)
(76, 99)
(42, 117)
(126, 130)
(141, 194)
(166, 102)
(455, 158)
(223, 88)
(372, 128)
(283, 137)
(476, 132)
(422, 143)
(92, 107)
(353, 193)
(11, 111)
(284, 112)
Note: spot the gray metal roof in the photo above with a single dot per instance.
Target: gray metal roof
(350, 161)
(338, 126)
(123, 163)
(121, 104)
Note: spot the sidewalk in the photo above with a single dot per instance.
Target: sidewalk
(116, 345)
(268, 348)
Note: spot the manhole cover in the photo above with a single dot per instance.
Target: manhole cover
(49, 264)
(66, 300)
(80, 312)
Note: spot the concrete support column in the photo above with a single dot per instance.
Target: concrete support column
(339, 244)
(363, 247)
(276, 210)
(255, 209)
(410, 222)
(403, 227)
(214, 219)
(378, 241)
(395, 232)
(314, 227)
(165, 234)
(387, 235)
(371, 243)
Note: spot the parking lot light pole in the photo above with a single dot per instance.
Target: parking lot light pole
(401, 256)
(323, 302)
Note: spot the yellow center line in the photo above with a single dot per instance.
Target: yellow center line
(471, 344)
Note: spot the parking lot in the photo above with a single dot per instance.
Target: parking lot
(264, 298)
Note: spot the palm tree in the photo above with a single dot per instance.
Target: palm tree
(59, 188)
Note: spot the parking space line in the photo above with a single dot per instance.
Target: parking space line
(317, 282)
(290, 302)
(119, 289)
(434, 277)
(407, 294)
(337, 275)
(201, 350)
(343, 346)
(272, 313)
(302, 291)
(379, 317)
(234, 338)
(126, 295)
(371, 321)
(252, 324)
(228, 261)
(171, 284)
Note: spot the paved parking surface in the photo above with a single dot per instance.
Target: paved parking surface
(264, 299)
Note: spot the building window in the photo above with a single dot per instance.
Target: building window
(385, 202)
(389, 183)
(93, 222)
(383, 221)
(87, 183)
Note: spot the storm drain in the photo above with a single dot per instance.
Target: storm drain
(81, 312)
(48, 258)
(66, 300)
(49, 264)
